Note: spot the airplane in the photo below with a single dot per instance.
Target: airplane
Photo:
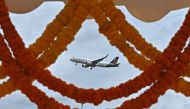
(93, 63)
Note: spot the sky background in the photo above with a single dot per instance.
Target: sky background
(89, 43)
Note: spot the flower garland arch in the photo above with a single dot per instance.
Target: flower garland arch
(162, 69)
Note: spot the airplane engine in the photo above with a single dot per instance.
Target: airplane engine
(85, 65)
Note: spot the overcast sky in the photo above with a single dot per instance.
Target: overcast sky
(89, 43)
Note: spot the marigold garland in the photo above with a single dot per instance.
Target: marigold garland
(2, 73)
(109, 30)
(130, 34)
(54, 28)
(167, 80)
(163, 67)
(181, 86)
(6, 88)
(65, 37)
(23, 82)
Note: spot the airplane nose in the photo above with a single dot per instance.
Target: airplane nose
(72, 59)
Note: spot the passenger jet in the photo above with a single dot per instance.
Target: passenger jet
(93, 63)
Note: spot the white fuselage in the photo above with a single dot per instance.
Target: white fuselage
(88, 62)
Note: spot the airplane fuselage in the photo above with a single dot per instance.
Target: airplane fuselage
(88, 63)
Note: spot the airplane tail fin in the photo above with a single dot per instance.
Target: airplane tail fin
(114, 61)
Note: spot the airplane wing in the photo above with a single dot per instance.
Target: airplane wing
(98, 60)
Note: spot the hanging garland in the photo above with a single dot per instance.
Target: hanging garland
(182, 86)
(152, 94)
(23, 82)
(54, 28)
